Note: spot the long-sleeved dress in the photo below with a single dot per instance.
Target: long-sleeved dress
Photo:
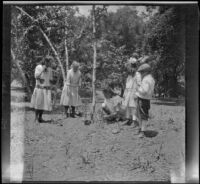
(70, 95)
(130, 98)
(41, 97)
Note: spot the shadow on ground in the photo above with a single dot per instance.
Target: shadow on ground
(169, 102)
(47, 121)
(150, 133)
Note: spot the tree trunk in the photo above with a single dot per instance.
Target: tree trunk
(56, 93)
(66, 48)
(94, 63)
(66, 56)
(26, 84)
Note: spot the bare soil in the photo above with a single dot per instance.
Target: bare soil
(65, 149)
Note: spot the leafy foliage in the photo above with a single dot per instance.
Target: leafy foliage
(165, 35)
(158, 32)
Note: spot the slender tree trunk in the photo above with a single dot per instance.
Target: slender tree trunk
(66, 48)
(48, 41)
(66, 56)
(56, 93)
(16, 61)
(94, 63)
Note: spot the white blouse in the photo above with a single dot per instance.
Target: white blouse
(46, 75)
(146, 88)
(73, 78)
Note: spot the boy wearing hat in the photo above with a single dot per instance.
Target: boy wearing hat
(70, 96)
(144, 94)
(41, 98)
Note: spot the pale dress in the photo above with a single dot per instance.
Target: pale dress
(70, 95)
(130, 98)
(41, 98)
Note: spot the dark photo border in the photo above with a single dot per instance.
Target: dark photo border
(191, 73)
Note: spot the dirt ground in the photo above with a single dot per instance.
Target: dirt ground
(64, 149)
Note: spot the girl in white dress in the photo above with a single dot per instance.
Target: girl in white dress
(70, 96)
(130, 99)
(41, 98)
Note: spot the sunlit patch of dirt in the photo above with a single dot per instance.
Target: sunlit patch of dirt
(67, 150)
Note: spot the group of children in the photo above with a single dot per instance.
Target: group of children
(135, 102)
(136, 98)
(41, 98)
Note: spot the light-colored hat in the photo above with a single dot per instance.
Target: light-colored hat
(144, 67)
(132, 60)
(144, 59)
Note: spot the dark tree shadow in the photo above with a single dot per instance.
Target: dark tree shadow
(47, 121)
(150, 133)
(111, 119)
(53, 122)
(169, 102)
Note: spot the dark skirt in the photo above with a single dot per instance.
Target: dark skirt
(143, 107)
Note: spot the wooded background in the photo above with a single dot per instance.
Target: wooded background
(107, 38)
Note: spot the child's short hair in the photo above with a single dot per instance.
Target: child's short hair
(75, 64)
(48, 59)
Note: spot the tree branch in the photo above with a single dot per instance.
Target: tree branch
(47, 39)
(25, 13)
(26, 31)
(66, 56)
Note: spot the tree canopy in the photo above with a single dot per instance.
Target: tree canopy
(66, 35)
(165, 35)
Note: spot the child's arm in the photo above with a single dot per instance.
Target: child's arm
(138, 79)
(144, 88)
(80, 81)
(68, 81)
